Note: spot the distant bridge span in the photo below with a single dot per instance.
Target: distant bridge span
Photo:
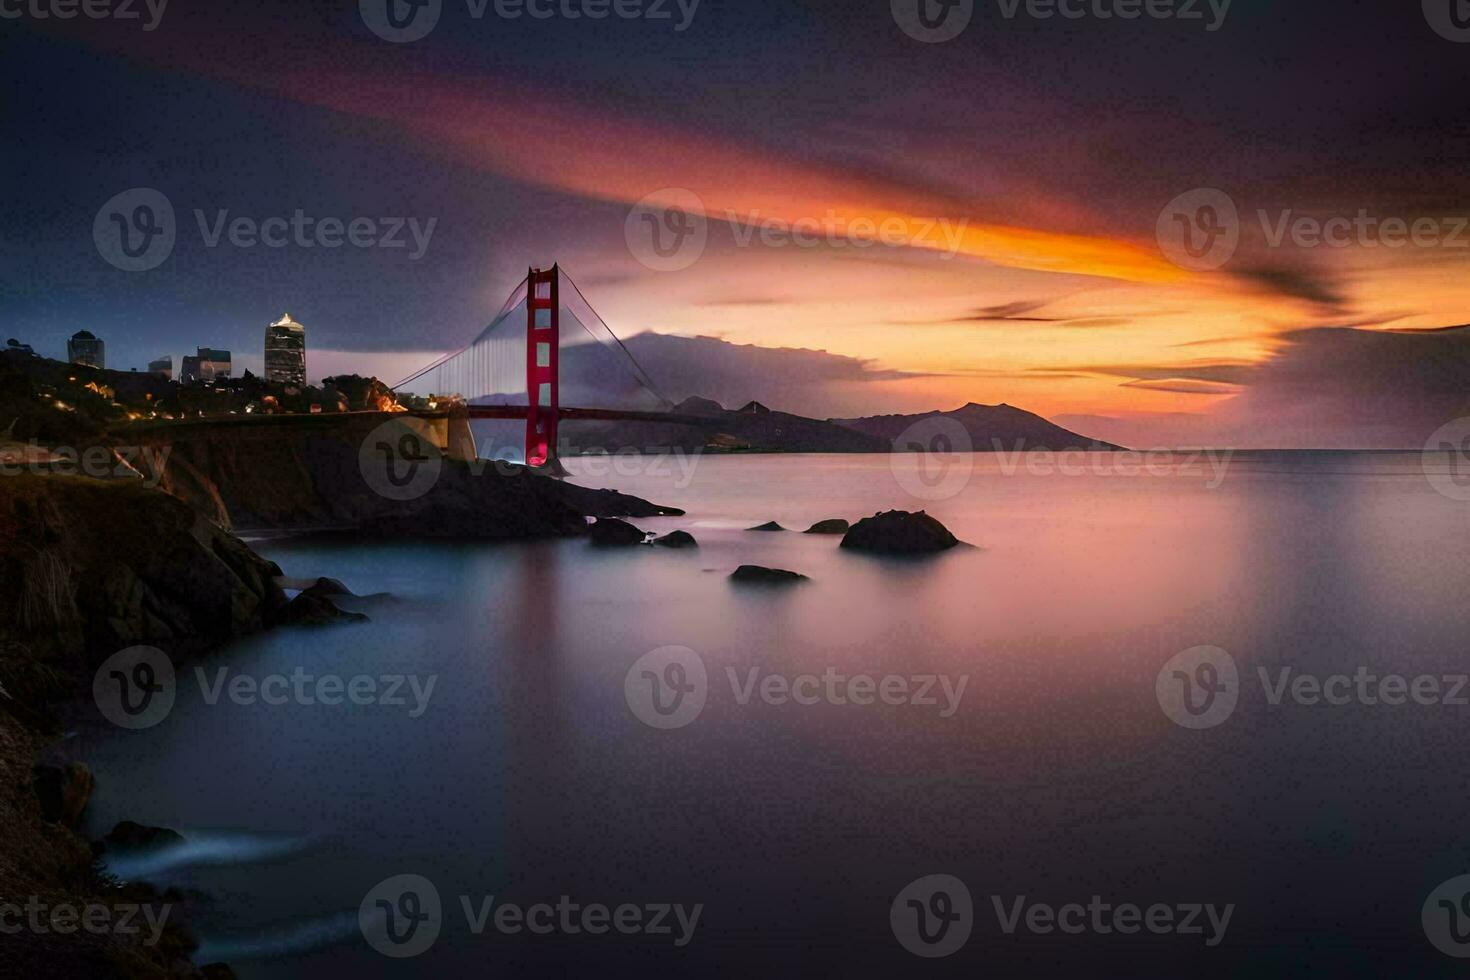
(587, 415)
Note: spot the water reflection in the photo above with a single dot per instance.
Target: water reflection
(530, 777)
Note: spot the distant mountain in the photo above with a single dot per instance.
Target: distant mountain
(991, 428)
(753, 428)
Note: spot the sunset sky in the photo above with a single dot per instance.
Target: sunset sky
(1045, 149)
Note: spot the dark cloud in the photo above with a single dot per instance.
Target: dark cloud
(1364, 389)
(1214, 372)
(1009, 311)
(1185, 387)
(1296, 282)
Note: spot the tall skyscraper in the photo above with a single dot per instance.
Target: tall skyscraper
(85, 348)
(285, 352)
(207, 365)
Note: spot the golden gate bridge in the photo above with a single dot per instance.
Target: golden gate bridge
(512, 370)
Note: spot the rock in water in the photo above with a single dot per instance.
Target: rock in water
(130, 836)
(759, 575)
(63, 791)
(676, 539)
(329, 586)
(897, 532)
(312, 608)
(609, 532)
(835, 526)
(768, 526)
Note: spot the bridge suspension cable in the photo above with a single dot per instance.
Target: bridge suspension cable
(491, 369)
(592, 315)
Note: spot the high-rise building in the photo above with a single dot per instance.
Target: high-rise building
(214, 363)
(85, 348)
(285, 352)
(164, 366)
(208, 365)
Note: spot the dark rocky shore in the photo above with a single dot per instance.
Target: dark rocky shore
(93, 566)
(302, 473)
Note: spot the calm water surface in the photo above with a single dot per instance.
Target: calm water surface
(1059, 777)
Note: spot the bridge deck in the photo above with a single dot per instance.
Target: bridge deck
(504, 412)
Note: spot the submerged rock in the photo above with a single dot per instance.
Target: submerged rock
(768, 526)
(760, 575)
(677, 539)
(898, 532)
(63, 791)
(609, 532)
(835, 526)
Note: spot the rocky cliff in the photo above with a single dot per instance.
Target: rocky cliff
(323, 472)
(89, 567)
(92, 566)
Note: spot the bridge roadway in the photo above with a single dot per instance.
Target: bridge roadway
(446, 428)
(502, 412)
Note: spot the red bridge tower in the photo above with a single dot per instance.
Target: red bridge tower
(543, 342)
